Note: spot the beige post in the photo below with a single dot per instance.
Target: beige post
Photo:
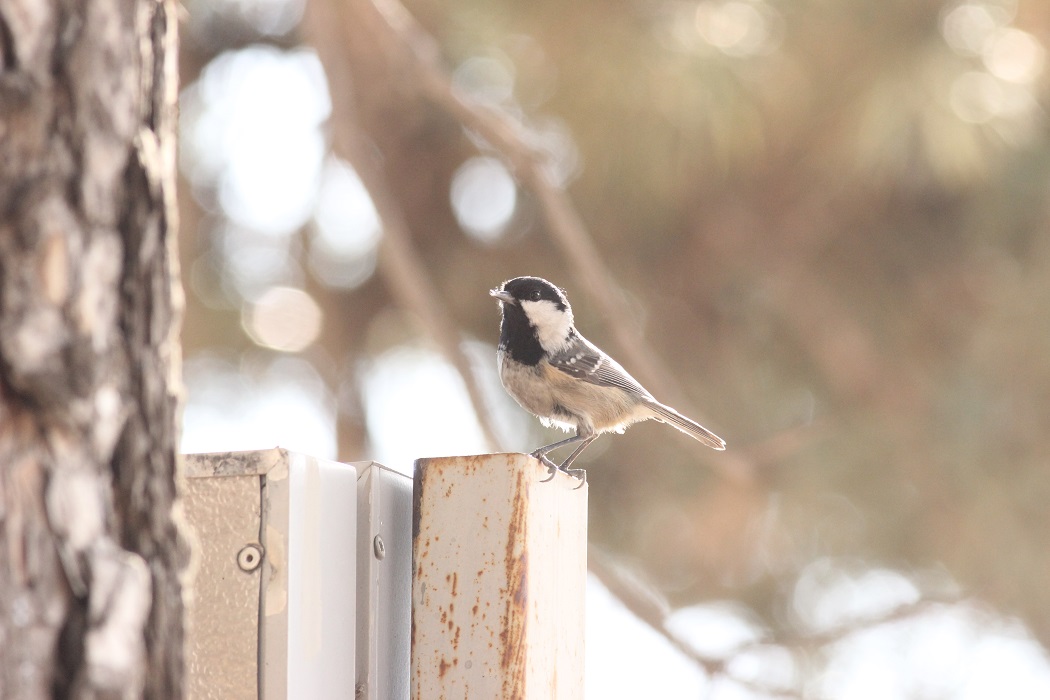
(499, 570)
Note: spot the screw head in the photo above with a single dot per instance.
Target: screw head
(379, 547)
(250, 557)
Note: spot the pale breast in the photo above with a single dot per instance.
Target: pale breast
(526, 385)
(599, 408)
(607, 409)
(567, 402)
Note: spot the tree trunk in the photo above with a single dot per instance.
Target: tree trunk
(91, 552)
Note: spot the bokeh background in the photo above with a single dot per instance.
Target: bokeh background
(820, 227)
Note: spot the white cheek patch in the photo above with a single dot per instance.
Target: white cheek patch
(551, 323)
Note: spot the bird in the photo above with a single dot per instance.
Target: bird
(565, 380)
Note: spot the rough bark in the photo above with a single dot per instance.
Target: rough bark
(91, 554)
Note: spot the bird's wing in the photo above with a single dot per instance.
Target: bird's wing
(583, 360)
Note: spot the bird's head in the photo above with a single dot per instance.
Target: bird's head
(540, 304)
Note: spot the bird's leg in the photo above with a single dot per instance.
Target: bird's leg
(580, 474)
(561, 443)
(541, 453)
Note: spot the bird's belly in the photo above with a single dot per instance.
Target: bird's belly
(604, 409)
(558, 398)
(527, 386)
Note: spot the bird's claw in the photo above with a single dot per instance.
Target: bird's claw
(580, 474)
(553, 469)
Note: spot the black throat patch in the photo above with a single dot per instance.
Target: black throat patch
(517, 336)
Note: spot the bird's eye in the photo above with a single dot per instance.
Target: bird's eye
(535, 295)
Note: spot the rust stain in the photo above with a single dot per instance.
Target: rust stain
(412, 628)
(514, 620)
(455, 581)
(442, 667)
(473, 463)
(521, 592)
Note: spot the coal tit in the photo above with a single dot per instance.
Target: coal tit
(562, 378)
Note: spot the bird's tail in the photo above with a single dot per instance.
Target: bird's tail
(689, 427)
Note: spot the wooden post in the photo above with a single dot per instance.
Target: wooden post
(499, 569)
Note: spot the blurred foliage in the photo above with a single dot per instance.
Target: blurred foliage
(828, 218)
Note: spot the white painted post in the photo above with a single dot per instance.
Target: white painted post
(273, 612)
(499, 570)
(384, 582)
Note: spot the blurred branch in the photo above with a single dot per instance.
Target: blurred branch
(649, 606)
(813, 640)
(510, 140)
(400, 264)
(406, 276)
(417, 57)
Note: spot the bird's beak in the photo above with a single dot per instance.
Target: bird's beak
(505, 297)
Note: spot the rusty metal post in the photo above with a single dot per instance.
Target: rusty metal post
(499, 570)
